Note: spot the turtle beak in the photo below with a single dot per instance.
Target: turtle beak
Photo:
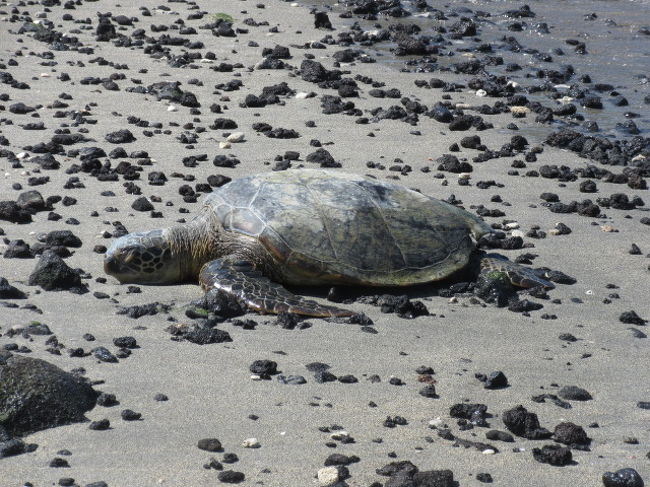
(111, 265)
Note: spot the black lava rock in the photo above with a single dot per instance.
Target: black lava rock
(138, 311)
(429, 391)
(522, 423)
(62, 238)
(570, 434)
(323, 158)
(223, 305)
(130, 415)
(32, 201)
(496, 435)
(210, 444)
(625, 477)
(231, 477)
(495, 289)
(264, 368)
(125, 342)
(107, 400)
(475, 413)
(632, 318)
(35, 395)
(142, 204)
(574, 393)
(496, 380)
(555, 455)
(18, 249)
(53, 274)
(12, 212)
(322, 21)
(203, 335)
(14, 447)
(104, 355)
(7, 291)
(123, 136)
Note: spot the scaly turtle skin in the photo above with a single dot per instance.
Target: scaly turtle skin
(309, 227)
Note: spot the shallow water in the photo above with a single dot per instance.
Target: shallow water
(617, 52)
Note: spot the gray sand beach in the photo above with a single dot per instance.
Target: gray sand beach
(576, 339)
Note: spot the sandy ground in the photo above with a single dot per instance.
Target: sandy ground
(209, 387)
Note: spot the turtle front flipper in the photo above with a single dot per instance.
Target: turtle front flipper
(240, 279)
(517, 274)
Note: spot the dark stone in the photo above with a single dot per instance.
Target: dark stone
(570, 434)
(210, 444)
(522, 423)
(107, 400)
(429, 391)
(461, 123)
(630, 317)
(322, 21)
(14, 447)
(322, 376)
(494, 289)
(524, 306)
(59, 462)
(130, 415)
(315, 72)
(36, 328)
(12, 212)
(441, 113)
(18, 249)
(625, 477)
(53, 274)
(484, 477)
(574, 393)
(105, 30)
(223, 305)
(496, 380)
(35, 395)
(470, 142)
(32, 201)
(231, 477)
(125, 342)
(555, 455)
(448, 162)
(322, 157)
(101, 425)
(339, 459)
(143, 310)
(223, 124)
(62, 238)
(433, 478)
(287, 321)
(123, 136)
(203, 335)
(264, 368)
(104, 355)
(7, 291)
(142, 204)
(496, 435)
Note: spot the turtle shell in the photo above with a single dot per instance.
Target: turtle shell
(332, 227)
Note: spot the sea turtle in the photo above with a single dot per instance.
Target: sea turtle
(309, 227)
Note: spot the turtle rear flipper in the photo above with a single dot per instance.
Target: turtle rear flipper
(240, 279)
(517, 274)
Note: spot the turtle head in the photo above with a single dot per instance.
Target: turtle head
(143, 258)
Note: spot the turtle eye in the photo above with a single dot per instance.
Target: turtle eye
(129, 257)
